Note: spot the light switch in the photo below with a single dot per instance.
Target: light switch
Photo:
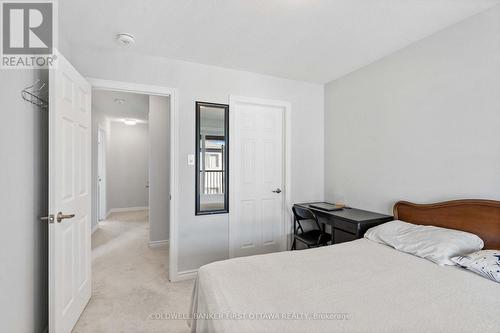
(190, 159)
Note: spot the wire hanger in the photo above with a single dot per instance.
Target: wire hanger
(36, 94)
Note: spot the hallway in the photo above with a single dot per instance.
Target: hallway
(130, 281)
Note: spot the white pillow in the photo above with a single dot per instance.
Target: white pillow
(438, 245)
(485, 263)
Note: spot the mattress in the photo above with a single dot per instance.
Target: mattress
(358, 286)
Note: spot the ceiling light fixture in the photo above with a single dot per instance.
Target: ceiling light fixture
(120, 101)
(130, 122)
(125, 39)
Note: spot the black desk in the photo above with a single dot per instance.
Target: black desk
(349, 223)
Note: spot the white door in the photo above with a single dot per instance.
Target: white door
(256, 173)
(69, 193)
(101, 174)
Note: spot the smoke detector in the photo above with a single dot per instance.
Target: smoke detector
(125, 39)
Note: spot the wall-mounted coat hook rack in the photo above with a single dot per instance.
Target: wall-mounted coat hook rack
(36, 94)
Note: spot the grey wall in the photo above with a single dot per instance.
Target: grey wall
(127, 165)
(203, 239)
(23, 199)
(159, 168)
(422, 124)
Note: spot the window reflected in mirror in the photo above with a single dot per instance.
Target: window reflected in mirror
(212, 126)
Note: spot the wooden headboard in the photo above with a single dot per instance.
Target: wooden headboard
(480, 217)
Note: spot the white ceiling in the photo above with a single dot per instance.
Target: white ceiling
(136, 106)
(309, 40)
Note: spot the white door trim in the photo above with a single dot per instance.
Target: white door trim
(287, 164)
(100, 84)
(100, 216)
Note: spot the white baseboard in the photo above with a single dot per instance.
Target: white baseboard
(94, 228)
(186, 275)
(158, 243)
(125, 209)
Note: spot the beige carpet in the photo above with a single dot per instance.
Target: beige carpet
(130, 281)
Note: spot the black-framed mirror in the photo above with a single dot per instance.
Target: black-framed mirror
(212, 158)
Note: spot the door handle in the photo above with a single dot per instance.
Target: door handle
(60, 216)
(277, 191)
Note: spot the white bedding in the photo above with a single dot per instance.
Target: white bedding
(362, 286)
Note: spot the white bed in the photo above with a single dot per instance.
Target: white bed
(362, 286)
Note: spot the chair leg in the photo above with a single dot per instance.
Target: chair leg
(293, 244)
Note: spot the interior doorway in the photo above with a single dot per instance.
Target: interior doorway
(133, 177)
(132, 165)
(169, 195)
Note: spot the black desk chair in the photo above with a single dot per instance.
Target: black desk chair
(311, 238)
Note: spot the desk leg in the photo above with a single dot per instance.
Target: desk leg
(331, 227)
